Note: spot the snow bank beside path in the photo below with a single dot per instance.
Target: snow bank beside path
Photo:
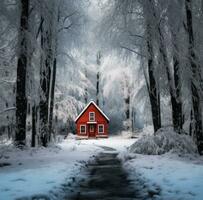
(163, 141)
(178, 178)
(39, 171)
(167, 161)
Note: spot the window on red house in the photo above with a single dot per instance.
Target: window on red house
(83, 129)
(91, 116)
(101, 128)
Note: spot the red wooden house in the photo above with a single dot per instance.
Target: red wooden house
(92, 122)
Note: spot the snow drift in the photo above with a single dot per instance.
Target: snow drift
(165, 140)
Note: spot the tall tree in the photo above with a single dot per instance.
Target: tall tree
(98, 77)
(196, 77)
(173, 83)
(86, 92)
(21, 100)
(175, 28)
(127, 102)
(153, 90)
(34, 132)
(177, 112)
(45, 75)
(52, 96)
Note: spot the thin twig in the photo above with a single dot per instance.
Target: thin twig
(133, 51)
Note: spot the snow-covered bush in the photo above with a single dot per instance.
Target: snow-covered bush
(165, 140)
(71, 136)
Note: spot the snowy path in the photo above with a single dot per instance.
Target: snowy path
(107, 180)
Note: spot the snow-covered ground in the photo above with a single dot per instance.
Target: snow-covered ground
(178, 171)
(39, 171)
(178, 178)
(119, 143)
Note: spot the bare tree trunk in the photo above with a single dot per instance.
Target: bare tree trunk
(53, 53)
(174, 90)
(191, 128)
(202, 8)
(86, 93)
(21, 99)
(196, 78)
(98, 78)
(34, 132)
(49, 63)
(178, 115)
(127, 110)
(154, 95)
(132, 120)
(97, 90)
(86, 96)
(45, 73)
(52, 95)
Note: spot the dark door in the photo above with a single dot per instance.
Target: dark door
(92, 130)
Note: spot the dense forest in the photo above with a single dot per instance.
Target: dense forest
(140, 60)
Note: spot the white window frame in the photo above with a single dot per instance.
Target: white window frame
(90, 117)
(99, 125)
(83, 125)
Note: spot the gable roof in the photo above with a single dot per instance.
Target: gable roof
(92, 102)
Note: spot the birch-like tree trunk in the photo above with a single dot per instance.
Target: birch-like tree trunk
(45, 74)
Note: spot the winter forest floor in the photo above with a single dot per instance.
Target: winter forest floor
(70, 169)
(45, 170)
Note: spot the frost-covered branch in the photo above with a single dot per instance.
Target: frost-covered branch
(7, 110)
(133, 51)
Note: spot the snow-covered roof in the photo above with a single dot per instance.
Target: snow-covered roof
(91, 102)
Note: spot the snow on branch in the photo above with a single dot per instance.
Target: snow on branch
(65, 18)
(7, 110)
(133, 51)
(65, 27)
(6, 81)
(136, 35)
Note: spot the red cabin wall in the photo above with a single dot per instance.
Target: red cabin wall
(99, 118)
